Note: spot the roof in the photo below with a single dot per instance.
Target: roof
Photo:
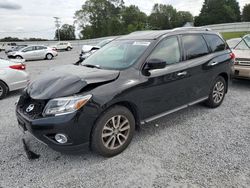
(154, 34)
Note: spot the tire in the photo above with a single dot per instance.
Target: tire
(217, 93)
(68, 49)
(49, 56)
(18, 57)
(3, 90)
(109, 140)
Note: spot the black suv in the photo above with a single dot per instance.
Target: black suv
(134, 80)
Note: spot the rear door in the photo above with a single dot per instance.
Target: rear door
(40, 52)
(203, 62)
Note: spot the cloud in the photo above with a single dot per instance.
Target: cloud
(9, 6)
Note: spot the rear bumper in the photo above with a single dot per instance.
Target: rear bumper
(241, 71)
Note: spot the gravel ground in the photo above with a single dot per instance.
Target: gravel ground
(195, 147)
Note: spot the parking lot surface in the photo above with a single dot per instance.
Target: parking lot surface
(195, 147)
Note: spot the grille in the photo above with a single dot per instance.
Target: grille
(37, 109)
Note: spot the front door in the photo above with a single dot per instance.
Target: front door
(166, 89)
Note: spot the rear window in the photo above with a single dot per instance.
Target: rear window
(215, 42)
(194, 46)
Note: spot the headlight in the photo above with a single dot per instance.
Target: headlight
(65, 105)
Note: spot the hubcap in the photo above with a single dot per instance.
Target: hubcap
(1, 91)
(115, 132)
(49, 56)
(218, 92)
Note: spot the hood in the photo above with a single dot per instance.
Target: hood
(67, 80)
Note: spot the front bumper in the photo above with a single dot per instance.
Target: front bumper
(77, 126)
(241, 71)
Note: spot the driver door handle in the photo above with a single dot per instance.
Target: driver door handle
(183, 73)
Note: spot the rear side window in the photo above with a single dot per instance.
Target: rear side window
(215, 42)
(40, 48)
(194, 46)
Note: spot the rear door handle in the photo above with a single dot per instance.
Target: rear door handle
(184, 73)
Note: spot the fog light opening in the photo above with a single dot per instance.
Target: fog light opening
(61, 138)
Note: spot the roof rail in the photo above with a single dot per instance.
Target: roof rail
(192, 28)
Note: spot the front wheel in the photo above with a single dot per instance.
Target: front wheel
(113, 131)
(68, 49)
(217, 93)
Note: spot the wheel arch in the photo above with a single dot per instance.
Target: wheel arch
(129, 105)
(226, 77)
(5, 84)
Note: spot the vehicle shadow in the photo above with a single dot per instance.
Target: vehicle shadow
(241, 82)
(15, 93)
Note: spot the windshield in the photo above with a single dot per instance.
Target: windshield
(118, 54)
(247, 40)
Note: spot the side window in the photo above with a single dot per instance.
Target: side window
(27, 49)
(194, 46)
(40, 47)
(167, 50)
(215, 42)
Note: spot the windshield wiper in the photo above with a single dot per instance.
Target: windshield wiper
(92, 66)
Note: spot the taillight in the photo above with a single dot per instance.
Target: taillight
(232, 56)
(18, 67)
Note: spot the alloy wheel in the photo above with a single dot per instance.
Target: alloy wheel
(115, 132)
(218, 92)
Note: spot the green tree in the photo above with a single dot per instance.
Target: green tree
(218, 11)
(133, 19)
(184, 17)
(162, 16)
(246, 13)
(167, 17)
(103, 16)
(67, 32)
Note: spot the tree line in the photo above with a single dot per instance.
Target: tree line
(98, 18)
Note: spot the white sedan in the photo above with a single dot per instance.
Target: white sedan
(12, 76)
(33, 53)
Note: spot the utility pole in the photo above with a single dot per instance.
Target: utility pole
(57, 23)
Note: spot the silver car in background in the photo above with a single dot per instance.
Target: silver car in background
(34, 53)
(241, 49)
(12, 76)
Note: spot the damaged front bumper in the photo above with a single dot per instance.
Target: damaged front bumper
(76, 126)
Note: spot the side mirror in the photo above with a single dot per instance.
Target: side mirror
(155, 64)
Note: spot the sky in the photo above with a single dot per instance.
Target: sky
(33, 18)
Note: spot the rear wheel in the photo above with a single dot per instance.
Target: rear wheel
(3, 90)
(68, 49)
(113, 131)
(49, 56)
(217, 93)
(19, 57)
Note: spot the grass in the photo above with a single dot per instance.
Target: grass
(229, 35)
